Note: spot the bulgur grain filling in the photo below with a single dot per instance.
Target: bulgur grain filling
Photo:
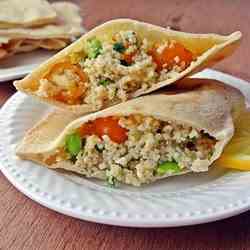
(134, 149)
(109, 71)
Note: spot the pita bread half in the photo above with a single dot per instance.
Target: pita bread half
(51, 37)
(25, 13)
(8, 47)
(207, 105)
(209, 48)
(14, 46)
(67, 25)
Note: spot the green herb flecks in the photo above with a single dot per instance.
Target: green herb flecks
(94, 47)
(119, 47)
(110, 179)
(104, 82)
(210, 154)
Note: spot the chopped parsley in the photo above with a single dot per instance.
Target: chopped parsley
(110, 179)
(119, 47)
(104, 82)
(210, 154)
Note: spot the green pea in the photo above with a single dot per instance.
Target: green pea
(73, 144)
(168, 167)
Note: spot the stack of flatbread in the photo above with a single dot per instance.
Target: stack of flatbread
(30, 24)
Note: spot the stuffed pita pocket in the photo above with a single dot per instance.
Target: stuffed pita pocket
(143, 140)
(122, 59)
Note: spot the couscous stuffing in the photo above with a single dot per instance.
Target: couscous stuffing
(110, 71)
(134, 149)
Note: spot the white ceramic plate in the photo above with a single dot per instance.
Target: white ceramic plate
(177, 201)
(21, 64)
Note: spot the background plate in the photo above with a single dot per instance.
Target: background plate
(181, 200)
(21, 64)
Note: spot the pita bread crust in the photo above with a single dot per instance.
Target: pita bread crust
(29, 13)
(201, 103)
(48, 128)
(212, 47)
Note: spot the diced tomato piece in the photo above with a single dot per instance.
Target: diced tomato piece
(110, 126)
(87, 129)
(76, 92)
(129, 57)
(59, 67)
(75, 95)
(105, 126)
(166, 58)
(60, 97)
(72, 96)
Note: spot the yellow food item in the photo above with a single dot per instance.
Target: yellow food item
(237, 153)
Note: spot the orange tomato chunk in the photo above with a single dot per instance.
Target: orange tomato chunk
(73, 95)
(60, 67)
(87, 129)
(105, 126)
(129, 57)
(110, 126)
(167, 58)
(61, 97)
